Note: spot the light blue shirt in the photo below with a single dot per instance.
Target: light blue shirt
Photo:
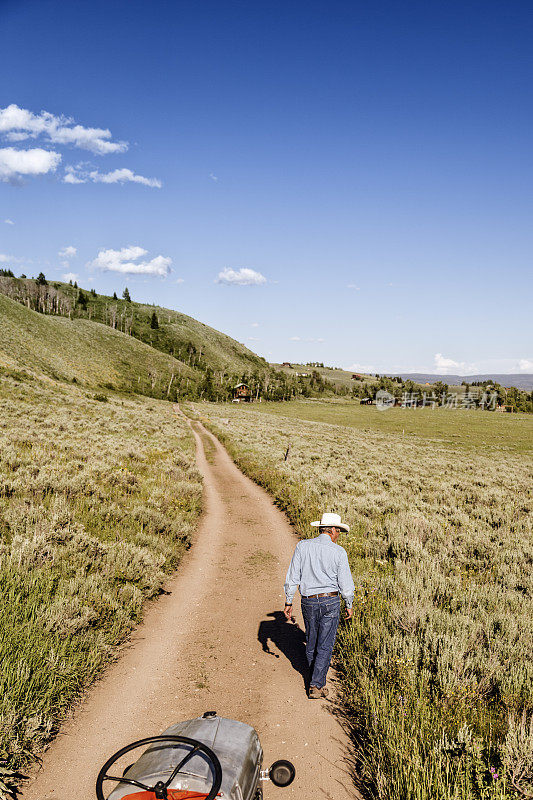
(318, 566)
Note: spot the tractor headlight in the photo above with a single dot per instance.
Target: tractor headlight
(282, 773)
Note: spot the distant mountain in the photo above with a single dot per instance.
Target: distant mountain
(520, 381)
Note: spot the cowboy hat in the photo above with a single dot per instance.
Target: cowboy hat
(331, 521)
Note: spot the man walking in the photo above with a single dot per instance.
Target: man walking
(320, 568)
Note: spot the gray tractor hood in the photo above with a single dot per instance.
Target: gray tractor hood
(236, 745)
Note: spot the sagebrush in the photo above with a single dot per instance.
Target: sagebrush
(97, 503)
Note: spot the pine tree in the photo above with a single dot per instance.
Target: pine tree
(126, 295)
(41, 280)
(154, 322)
(115, 296)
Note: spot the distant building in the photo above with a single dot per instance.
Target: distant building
(287, 364)
(357, 377)
(242, 393)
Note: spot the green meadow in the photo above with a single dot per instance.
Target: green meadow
(471, 429)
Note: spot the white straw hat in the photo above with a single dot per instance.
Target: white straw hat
(331, 521)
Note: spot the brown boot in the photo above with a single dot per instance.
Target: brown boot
(315, 693)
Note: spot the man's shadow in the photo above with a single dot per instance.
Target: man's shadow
(288, 637)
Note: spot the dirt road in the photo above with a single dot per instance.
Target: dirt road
(216, 642)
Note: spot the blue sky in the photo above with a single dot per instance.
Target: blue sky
(364, 169)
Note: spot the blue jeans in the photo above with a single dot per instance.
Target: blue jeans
(321, 617)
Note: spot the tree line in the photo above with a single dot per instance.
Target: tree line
(511, 397)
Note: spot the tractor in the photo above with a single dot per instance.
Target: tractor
(201, 759)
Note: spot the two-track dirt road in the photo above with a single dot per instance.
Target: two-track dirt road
(215, 642)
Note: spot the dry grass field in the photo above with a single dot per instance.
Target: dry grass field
(98, 499)
(437, 665)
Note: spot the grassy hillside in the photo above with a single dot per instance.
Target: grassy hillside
(337, 376)
(437, 665)
(195, 344)
(343, 379)
(342, 382)
(90, 353)
(177, 334)
(98, 500)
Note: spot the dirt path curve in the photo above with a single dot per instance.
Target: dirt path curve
(211, 644)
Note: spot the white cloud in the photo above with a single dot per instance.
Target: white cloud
(366, 369)
(124, 176)
(18, 124)
(76, 175)
(299, 339)
(212, 177)
(4, 259)
(254, 325)
(70, 276)
(448, 366)
(126, 260)
(526, 364)
(180, 280)
(67, 252)
(71, 176)
(240, 277)
(253, 339)
(353, 286)
(9, 222)
(14, 164)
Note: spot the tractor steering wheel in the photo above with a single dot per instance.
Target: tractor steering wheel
(160, 790)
